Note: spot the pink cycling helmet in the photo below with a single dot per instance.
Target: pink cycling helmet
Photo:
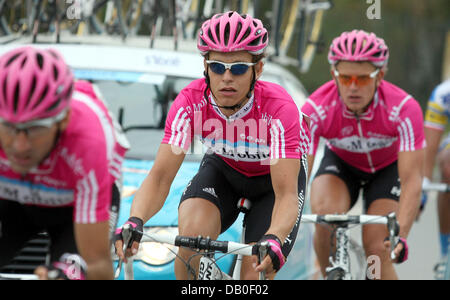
(359, 45)
(231, 32)
(34, 84)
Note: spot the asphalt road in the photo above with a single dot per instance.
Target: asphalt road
(423, 242)
(424, 246)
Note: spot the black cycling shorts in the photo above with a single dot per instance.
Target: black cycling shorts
(219, 183)
(384, 183)
(21, 223)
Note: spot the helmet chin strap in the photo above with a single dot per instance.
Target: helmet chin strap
(231, 107)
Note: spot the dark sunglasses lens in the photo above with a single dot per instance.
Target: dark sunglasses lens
(217, 68)
(239, 69)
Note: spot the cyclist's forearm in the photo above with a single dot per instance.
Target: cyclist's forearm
(284, 216)
(150, 197)
(433, 137)
(409, 204)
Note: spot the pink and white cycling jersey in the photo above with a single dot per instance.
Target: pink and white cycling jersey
(81, 168)
(392, 123)
(266, 127)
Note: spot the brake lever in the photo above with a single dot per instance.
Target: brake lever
(126, 234)
(394, 229)
(262, 254)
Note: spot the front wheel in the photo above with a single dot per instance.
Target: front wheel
(336, 274)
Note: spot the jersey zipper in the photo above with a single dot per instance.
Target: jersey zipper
(361, 136)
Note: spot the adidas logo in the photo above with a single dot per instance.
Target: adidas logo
(332, 168)
(210, 191)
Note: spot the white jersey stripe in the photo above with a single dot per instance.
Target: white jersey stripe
(186, 127)
(93, 197)
(403, 137)
(283, 141)
(86, 196)
(180, 129)
(411, 133)
(274, 145)
(79, 202)
(406, 136)
(174, 125)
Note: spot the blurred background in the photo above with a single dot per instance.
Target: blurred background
(416, 31)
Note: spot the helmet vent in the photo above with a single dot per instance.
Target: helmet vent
(12, 59)
(238, 30)
(4, 89)
(40, 60)
(55, 72)
(43, 95)
(217, 34)
(246, 35)
(255, 42)
(16, 97)
(265, 37)
(24, 61)
(227, 34)
(54, 105)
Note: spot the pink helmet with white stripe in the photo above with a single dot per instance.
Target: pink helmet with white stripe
(359, 45)
(34, 84)
(231, 32)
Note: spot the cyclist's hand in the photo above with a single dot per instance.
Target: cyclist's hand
(401, 250)
(137, 226)
(275, 259)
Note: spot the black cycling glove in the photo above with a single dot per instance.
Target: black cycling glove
(137, 226)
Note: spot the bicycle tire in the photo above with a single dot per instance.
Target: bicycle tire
(288, 34)
(4, 26)
(3, 23)
(133, 16)
(360, 257)
(336, 274)
(313, 40)
(276, 24)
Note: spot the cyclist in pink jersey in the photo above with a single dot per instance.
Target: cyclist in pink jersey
(256, 139)
(59, 162)
(374, 141)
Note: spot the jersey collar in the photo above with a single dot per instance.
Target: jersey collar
(243, 111)
(368, 115)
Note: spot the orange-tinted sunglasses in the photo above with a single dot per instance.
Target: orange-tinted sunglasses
(360, 80)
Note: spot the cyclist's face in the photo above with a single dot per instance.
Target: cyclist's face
(356, 84)
(230, 89)
(26, 149)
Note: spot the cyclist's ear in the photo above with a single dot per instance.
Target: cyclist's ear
(259, 67)
(380, 75)
(64, 122)
(332, 72)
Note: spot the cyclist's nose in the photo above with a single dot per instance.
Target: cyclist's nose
(227, 76)
(21, 142)
(354, 84)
